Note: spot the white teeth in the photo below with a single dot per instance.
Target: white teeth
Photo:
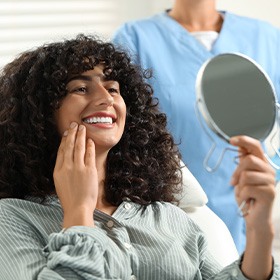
(99, 120)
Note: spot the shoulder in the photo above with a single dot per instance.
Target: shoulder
(167, 208)
(13, 205)
(144, 22)
(28, 211)
(15, 217)
(176, 222)
(28, 204)
(140, 27)
(174, 216)
(137, 36)
(250, 24)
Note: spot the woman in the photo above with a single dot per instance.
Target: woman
(89, 171)
(175, 43)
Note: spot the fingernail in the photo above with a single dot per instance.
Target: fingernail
(65, 133)
(234, 140)
(81, 127)
(73, 125)
(233, 181)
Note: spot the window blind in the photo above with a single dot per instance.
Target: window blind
(27, 24)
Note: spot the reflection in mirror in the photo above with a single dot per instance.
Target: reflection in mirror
(235, 97)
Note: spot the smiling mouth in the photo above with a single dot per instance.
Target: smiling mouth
(94, 120)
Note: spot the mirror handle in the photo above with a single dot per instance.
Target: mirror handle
(218, 163)
(271, 140)
(210, 152)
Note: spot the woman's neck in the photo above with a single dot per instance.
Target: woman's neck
(197, 15)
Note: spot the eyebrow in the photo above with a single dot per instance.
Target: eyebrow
(86, 77)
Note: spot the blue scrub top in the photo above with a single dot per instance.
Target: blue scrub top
(160, 43)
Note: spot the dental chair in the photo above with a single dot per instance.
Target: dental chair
(193, 201)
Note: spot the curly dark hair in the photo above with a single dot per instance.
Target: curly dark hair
(143, 166)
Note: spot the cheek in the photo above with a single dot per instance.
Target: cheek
(123, 113)
(63, 118)
(60, 122)
(69, 111)
(122, 107)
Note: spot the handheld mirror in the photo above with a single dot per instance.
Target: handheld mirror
(235, 97)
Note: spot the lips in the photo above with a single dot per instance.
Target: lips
(99, 118)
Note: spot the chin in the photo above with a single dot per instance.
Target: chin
(105, 145)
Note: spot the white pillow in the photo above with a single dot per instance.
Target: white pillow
(192, 194)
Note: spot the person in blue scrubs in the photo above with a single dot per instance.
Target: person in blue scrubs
(175, 44)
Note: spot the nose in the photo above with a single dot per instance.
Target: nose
(102, 96)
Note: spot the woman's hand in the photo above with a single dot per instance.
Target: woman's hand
(75, 177)
(254, 181)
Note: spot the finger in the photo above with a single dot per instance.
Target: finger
(79, 151)
(90, 153)
(60, 152)
(259, 193)
(70, 143)
(252, 163)
(254, 178)
(248, 145)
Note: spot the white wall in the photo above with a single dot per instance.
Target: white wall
(264, 9)
(27, 23)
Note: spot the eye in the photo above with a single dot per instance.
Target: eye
(78, 90)
(113, 90)
(112, 87)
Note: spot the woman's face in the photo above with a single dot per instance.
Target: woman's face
(97, 104)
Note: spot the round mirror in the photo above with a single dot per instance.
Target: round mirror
(236, 97)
